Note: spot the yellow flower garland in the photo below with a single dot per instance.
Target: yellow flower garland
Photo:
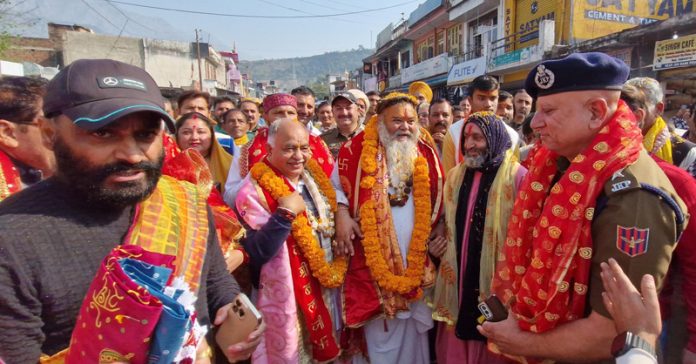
(330, 275)
(412, 279)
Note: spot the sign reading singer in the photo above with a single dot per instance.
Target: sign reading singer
(675, 53)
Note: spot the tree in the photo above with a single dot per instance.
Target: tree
(320, 88)
(5, 26)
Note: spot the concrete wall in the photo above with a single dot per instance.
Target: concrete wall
(170, 63)
(93, 46)
(35, 50)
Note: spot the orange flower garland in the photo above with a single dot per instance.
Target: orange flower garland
(330, 275)
(412, 279)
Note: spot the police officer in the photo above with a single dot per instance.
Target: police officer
(604, 197)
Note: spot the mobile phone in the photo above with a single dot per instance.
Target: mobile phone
(242, 319)
(493, 309)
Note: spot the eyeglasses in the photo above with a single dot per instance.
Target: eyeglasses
(28, 123)
(32, 122)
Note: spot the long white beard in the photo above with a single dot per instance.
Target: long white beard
(400, 154)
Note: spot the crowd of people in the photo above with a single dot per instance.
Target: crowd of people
(368, 227)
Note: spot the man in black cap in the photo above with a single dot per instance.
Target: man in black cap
(345, 111)
(592, 193)
(105, 126)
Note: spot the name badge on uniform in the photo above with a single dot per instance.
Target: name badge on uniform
(632, 241)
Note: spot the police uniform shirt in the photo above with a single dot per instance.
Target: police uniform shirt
(637, 223)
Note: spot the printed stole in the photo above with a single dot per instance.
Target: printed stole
(9, 177)
(190, 166)
(548, 248)
(447, 296)
(308, 294)
(255, 152)
(173, 220)
(362, 298)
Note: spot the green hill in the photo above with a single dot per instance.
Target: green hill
(304, 69)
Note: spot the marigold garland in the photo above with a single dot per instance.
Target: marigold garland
(330, 275)
(412, 279)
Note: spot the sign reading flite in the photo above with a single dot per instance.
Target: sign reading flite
(428, 68)
(675, 53)
(466, 71)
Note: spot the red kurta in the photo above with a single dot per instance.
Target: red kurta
(362, 297)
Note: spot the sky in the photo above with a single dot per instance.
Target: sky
(259, 38)
(281, 38)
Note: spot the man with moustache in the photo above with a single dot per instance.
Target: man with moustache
(440, 118)
(105, 127)
(306, 101)
(345, 110)
(480, 194)
(250, 107)
(393, 181)
(523, 106)
(325, 116)
(24, 161)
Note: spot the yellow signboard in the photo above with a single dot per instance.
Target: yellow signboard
(527, 16)
(674, 53)
(597, 18)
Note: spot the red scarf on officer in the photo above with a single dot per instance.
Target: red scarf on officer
(549, 240)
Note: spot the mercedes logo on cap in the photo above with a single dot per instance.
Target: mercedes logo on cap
(110, 81)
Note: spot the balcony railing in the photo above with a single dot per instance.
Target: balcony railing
(471, 52)
(507, 52)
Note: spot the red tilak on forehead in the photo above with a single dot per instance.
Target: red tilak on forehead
(469, 128)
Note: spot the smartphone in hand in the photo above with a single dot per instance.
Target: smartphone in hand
(242, 319)
(493, 309)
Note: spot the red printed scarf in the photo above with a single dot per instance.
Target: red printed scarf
(9, 177)
(549, 239)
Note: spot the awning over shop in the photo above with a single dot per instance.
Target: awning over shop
(432, 81)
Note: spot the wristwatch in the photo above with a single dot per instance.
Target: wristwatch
(626, 341)
(286, 213)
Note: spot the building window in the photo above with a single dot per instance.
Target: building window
(454, 39)
(426, 49)
(440, 42)
(406, 59)
(481, 31)
(393, 66)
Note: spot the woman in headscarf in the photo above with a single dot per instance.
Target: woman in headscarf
(195, 130)
(479, 196)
